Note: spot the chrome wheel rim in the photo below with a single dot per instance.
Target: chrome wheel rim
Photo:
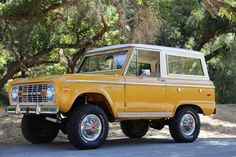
(188, 124)
(91, 127)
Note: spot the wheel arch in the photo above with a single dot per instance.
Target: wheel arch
(196, 107)
(97, 98)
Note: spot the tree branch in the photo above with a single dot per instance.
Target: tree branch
(209, 8)
(50, 9)
(92, 40)
(10, 73)
(211, 4)
(220, 5)
(217, 52)
(210, 33)
(60, 5)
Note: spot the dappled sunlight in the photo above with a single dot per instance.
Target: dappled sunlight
(216, 122)
(219, 127)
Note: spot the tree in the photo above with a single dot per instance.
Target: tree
(34, 31)
(137, 20)
(223, 73)
(189, 25)
(216, 8)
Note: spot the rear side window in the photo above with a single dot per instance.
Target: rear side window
(184, 65)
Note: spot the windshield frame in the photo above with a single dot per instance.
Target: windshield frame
(100, 53)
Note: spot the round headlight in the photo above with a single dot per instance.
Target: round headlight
(14, 93)
(51, 92)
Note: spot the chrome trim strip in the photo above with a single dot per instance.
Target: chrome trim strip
(32, 103)
(144, 114)
(94, 81)
(191, 86)
(139, 83)
(145, 84)
(185, 75)
(100, 71)
(111, 82)
(32, 109)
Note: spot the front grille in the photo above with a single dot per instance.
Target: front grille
(32, 93)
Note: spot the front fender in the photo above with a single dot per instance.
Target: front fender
(69, 98)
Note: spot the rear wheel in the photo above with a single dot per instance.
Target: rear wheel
(36, 129)
(185, 126)
(87, 127)
(134, 128)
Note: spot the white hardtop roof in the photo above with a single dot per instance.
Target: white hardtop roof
(146, 46)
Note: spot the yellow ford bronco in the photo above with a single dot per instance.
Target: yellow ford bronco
(139, 85)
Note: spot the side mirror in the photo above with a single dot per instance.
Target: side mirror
(145, 72)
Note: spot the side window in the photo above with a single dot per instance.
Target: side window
(184, 65)
(144, 60)
(132, 70)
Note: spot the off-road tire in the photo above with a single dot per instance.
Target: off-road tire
(134, 128)
(74, 123)
(175, 125)
(36, 129)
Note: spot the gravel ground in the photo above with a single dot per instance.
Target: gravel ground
(222, 125)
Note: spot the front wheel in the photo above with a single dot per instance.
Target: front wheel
(36, 129)
(87, 127)
(185, 126)
(134, 128)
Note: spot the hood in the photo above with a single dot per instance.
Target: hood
(36, 79)
(65, 77)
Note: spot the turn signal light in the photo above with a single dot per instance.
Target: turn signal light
(42, 93)
(209, 94)
(20, 94)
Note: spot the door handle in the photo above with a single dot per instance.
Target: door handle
(179, 89)
(161, 79)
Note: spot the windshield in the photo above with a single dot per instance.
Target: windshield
(104, 62)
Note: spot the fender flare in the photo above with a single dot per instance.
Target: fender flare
(101, 92)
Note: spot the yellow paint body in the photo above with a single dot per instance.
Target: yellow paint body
(126, 94)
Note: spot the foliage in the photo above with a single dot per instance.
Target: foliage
(223, 73)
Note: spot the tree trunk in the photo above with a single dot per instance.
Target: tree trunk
(15, 69)
(70, 69)
(72, 63)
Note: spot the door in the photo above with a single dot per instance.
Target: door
(144, 89)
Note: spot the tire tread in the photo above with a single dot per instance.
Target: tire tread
(75, 119)
(175, 129)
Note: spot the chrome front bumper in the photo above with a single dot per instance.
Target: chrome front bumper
(36, 109)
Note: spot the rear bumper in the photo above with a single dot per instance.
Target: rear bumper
(36, 109)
